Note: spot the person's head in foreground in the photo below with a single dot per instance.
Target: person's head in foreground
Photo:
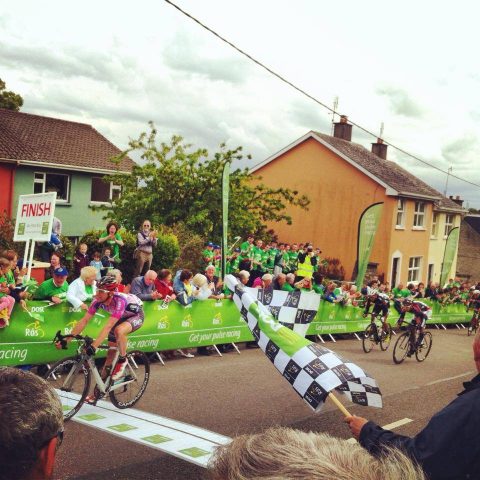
(31, 426)
(284, 453)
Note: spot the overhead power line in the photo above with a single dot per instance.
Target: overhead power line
(311, 97)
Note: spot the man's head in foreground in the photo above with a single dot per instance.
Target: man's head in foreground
(31, 426)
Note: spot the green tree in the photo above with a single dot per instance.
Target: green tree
(178, 184)
(8, 99)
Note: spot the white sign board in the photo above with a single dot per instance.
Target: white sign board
(35, 217)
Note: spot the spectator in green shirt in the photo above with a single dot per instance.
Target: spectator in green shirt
(280, 283)
(54, 289)
(112, 238)
(207, 254)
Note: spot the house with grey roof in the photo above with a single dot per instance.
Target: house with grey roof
(342, 180)
(42, 154)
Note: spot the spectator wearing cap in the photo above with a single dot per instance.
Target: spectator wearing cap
(53, 289)
(207, 254)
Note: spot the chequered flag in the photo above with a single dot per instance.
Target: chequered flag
(312, 370)
(294, 310)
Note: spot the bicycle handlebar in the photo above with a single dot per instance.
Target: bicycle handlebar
(61, 338)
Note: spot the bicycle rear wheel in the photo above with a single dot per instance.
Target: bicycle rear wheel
(401, 347)
(70, 378)
(385, 337)
(130, 389)
(424, 349)
(368, 339)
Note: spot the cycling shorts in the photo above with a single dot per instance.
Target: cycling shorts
(135, 321)
(422, 321)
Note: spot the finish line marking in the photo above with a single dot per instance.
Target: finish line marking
(187, 442)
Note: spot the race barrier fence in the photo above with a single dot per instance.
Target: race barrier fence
(28, 338)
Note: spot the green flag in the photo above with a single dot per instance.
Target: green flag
(225, 194)
(367, 228)
(449, 255)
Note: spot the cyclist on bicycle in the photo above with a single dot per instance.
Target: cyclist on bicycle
(381, 305)
(474, 303)
(126, 316)
(421, 312)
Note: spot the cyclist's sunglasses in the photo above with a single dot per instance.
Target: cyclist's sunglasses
(104, 291)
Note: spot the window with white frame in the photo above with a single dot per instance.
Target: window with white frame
(414, 269)
(434, 225)
(419, 215)
(104, 191)
(449, 221)
(44, 182)
(400, 213)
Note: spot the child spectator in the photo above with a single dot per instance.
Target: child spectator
(96, 262)
(6, 301)
(80, 259)
(107, 261)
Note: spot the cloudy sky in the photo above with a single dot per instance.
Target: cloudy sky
(117, 64)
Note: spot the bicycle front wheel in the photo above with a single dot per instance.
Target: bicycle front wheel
(385, 337)
(401, 347)
(424, 349)
(70, 378)
(368, 339)
(128, 391)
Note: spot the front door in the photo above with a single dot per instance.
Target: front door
(394, 272)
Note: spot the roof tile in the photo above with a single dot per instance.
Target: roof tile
(24, 136)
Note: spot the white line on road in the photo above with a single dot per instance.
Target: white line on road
(450, 378)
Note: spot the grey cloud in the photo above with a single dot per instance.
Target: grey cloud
(182, 56)
(118, 71)
(462, 150)
(400, 101)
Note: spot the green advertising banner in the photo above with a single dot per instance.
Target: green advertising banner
(28, 339)
(367, 228)
(449, 254)
(225, 195)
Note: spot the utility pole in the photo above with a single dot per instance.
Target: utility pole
(449, 171)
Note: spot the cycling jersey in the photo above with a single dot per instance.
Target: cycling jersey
(125, 307)
(421, 311)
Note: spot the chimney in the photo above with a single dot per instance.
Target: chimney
(343, 129)
(380, 149)
(457, 200)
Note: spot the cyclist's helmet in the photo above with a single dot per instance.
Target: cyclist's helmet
(108, 283)
(475, 292)
(407, 302)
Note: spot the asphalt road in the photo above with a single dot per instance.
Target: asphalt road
(244, 393)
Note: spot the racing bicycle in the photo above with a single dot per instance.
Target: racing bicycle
(72, 377)
(406, 345)
(374, 335)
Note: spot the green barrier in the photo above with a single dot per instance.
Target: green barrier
(28, 339)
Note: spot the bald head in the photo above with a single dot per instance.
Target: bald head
(150, 277)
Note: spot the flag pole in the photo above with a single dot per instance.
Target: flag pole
(339, 404)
